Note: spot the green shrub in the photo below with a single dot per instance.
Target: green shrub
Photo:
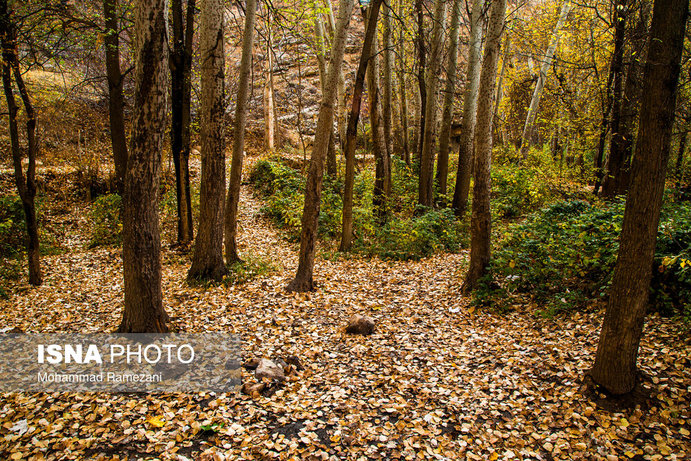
(105, 219)
(12, 227)
(563, 257)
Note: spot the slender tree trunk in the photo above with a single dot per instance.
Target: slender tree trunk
(387, 58)
(116, 101)
(426, 178)
(615, 361)
(331, 166)
(528, 137)
(231, 216)
(680, 155)
(480, 228)
(449, 97)
(207, 260)
(341, 110)
(470, 96)
(402, 90)
(269, 106)
(497, 133)
(303, 280)
(181, 70)
(615, 159)
(351, 131)
(421, 63)
(143, 310)
(26, 185)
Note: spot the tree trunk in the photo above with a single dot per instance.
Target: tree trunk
(116, 102)
(615, 361)
(497, 133)
(449, 97)
(426, 178)
(303, 280)
(528, 137)
(615, 159)
(402, 89)
(480, 229)
(269, 106)
(26, 185)
(231, 217)
(470, 96)
(421, 66)
(181, 85)
(680, 155)
(331, 166)
(351, 131)
(207, 261)
(387, 58)
(143, 312)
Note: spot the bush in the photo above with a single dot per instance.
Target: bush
(105, 219)
(563, 257)
(12, 227)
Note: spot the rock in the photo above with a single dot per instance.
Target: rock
(251, 364)
(253, 389)
(268, 369)
(360, 325)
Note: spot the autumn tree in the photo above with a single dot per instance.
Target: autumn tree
(231, 217)
(143, 310)
(207, 260)
(617, 351)
(303, 280)
(26, 184)
(480, 228)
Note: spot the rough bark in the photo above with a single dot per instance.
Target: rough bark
(615, 360)
(116, 101)
(351, 130)
(426, 178)
(231, 216)
(143, 310)
(207, 260)
(303, 280)
(449, 97)
(331, 166)
(181, 94)
(480, 228)
(26, 184)
(528, 137)
(465, 149)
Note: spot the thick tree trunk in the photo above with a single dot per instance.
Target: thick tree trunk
(143, 310)
(231, 217)
(480, 229)
(207, 261)
(616, 150)
(351, 131)
(470, 96)
(26, 185)
(426, 178)
(303, 280)
(116, 101)
(615, 361)
(528, 137)
(449, 97)
(181, 87)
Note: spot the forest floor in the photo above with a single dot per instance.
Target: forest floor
(438, 379)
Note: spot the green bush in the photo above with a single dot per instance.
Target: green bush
(563, 257)
(12, 227)
(105, 219)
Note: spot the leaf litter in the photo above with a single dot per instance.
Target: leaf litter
(436, 379)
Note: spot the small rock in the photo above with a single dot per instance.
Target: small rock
(253, 389)
(268, 369)
(251, 364)
(360, 325)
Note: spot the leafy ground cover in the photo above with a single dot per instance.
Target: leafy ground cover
(439, 378)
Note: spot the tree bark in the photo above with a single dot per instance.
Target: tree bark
(351, 130)
(405, 132)
(207, 261)
(387, 64)
(480, 229)
(615, 360)
(269, 106)
(421, 63)
(331, 166)
(528, 137)
(231, 217)
(143, 310)
(181, 94)
(26, 185)
(426, 178)
(470, 96)
(116, 101)
(680, 155)
(449, 97)
(303, 280)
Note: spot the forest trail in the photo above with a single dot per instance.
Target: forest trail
(437, 379)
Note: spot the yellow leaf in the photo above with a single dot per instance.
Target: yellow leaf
(156, 421)
(512, 264)
(494, 456)
(623, 422)
(629, 454)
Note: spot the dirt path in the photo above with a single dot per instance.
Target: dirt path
(437, 380)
